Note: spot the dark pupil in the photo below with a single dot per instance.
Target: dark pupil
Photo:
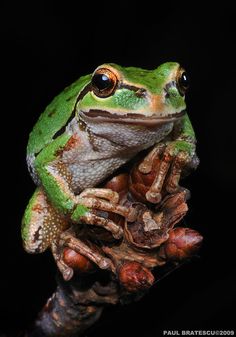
(102, 81)
(184, 80)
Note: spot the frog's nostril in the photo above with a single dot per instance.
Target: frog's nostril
(140, 93)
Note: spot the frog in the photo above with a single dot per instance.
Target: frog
(92, 128)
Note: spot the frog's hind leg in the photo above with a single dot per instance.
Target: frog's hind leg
(41, 224)
(41, 228)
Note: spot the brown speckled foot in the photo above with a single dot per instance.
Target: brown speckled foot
(146, 165)
(172, 184)
(154, 193)
(80, 247)
(92, 219)
(105, 200)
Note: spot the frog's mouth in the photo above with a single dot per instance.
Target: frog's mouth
(98, 116)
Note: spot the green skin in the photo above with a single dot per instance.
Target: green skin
(142, 100)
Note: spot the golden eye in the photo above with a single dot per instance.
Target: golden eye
(182, 81)
(104, 82)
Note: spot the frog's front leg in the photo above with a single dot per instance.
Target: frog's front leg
(106, 200)
(176, 156)
(56, 178)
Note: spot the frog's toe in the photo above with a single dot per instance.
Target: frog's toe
(93, 219)
(172, 183)
(104, 193)
(180, 162)
(67, 274)
(66, 271)
(146, 165)
(153, 197)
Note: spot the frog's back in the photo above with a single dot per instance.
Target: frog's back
(55, 116)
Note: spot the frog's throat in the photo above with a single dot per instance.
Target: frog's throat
(98, 116)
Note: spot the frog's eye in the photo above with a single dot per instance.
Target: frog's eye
(182, 81)
(104, 82)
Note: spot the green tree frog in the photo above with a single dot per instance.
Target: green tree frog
(93, 127)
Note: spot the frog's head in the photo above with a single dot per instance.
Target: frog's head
(133, 95)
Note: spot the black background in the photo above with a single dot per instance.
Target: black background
(46, 46)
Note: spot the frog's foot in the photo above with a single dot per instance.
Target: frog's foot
(92, 219)
(175, 157)
(147, 164)
(80, 247)
(104, 200)
(66, 271)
